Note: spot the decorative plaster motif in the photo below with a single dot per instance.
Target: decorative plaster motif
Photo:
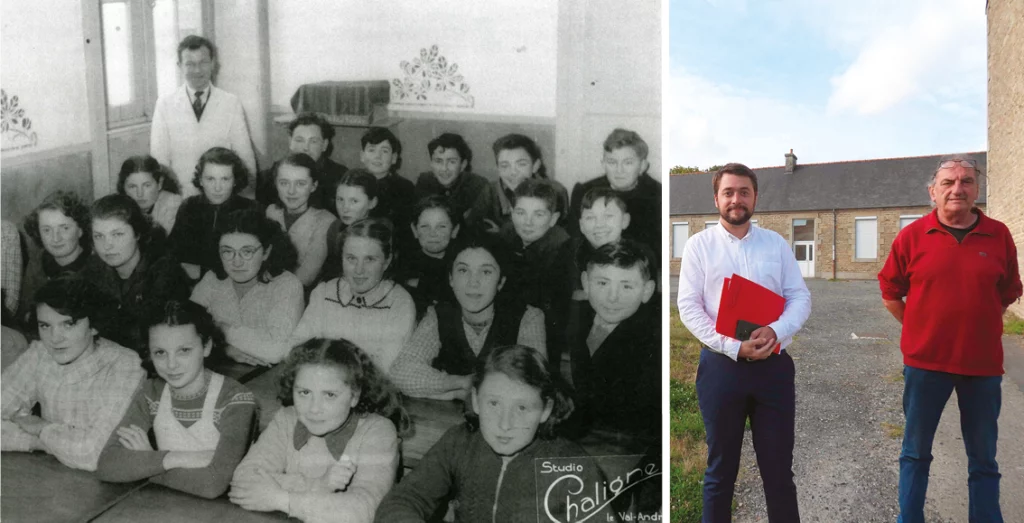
(15, 128)
(431, 80)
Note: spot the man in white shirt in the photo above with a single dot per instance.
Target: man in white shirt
(197, 117)
(739, 379)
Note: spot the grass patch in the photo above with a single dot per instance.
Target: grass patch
(896, 377)
(892, 430)
(1012, 324)
(689, 450)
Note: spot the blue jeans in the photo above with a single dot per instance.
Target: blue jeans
(925, 394)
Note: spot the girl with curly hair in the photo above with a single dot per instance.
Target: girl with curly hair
(253, 295)
(331, 453)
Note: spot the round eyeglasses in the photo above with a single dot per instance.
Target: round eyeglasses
(228, 254)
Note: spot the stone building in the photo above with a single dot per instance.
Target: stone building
(840, 218)
(1006, 119)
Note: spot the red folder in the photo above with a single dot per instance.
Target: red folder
(745, 300)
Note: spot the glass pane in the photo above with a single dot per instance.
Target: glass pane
(866, 239)
(803, 230)
(117, 53)
(680, 232)
(801, 253)
(165, 37)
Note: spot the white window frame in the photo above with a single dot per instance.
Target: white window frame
(861, 219)
(914, 216)
(677, 248)
(708, 225)
(143, 66)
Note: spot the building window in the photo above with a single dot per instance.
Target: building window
(140, 41)
(708, 225)
(866, 238)
(753, 222)
(908, 219)
(680, 232)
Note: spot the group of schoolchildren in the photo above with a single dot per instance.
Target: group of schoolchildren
(364, 286)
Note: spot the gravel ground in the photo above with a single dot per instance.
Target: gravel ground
(849, 407)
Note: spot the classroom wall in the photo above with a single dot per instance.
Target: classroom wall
(43, 63)
(504, 49)
(239, 32)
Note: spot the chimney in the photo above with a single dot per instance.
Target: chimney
(790, 162)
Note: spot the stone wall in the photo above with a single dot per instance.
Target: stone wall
(1006, 120)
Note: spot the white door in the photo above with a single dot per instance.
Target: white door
(804, 252)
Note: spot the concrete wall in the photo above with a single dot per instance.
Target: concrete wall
(1006, 120)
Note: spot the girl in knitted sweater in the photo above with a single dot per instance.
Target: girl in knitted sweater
(202, 420)
(331, 453)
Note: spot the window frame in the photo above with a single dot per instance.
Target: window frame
(856, 220)
(143, 67)
(680, 247)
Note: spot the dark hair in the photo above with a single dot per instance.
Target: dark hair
(146, 164)
(736, 169)
(223, 156)
(177, 313)
(452, 141)
(310, 118)
(358, 178)
(489, 242)
(540, 189)
(526, 365)
(194, 42)
(283, 255)
(379, 229)
(73, 296)
(376, 135)
(70, 205)
(607, 194)
(377, 394)
(620, 138)
(302, 160)
(625, 254)
(435, 201)
(519, 141)
(121, 207)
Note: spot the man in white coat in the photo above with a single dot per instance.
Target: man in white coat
(198, 116)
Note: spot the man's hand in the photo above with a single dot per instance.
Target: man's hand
(755, 349)
(765, 333)
(896, 308)
(31, 424)
(133, 437)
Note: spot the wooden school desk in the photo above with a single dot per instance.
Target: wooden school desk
(159, 503)
(37, 487)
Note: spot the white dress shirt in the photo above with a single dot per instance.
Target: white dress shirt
(761, 256)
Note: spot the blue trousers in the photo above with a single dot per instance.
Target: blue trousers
(925, 394)
(728, 393)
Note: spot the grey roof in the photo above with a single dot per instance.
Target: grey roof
(864, 184)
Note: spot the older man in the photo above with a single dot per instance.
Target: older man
(957, 269)
(740, 379)
(197, 117)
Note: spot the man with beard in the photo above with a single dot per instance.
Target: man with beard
(740, 379)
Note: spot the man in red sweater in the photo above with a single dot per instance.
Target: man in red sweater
(957, 269)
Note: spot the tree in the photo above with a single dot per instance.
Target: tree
(679, 169)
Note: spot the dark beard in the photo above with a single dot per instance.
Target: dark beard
(731, 221)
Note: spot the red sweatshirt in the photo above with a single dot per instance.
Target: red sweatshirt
(955, 294)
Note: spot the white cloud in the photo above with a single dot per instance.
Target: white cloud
(910, 80)
(937, 46)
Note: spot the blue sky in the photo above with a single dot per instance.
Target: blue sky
(832, 79)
